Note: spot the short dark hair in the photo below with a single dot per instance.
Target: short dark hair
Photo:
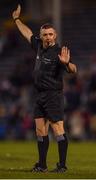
(47, 26)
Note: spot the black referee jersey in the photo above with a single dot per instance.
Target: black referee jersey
(48, 71)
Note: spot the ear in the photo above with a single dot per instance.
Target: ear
(55, 35)
(41, 37)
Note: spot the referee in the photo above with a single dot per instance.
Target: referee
(50, 65)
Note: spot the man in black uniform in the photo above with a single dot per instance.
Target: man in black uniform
(51, 62)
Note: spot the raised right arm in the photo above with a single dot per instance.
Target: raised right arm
(25, 31)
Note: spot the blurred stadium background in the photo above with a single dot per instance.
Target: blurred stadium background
(76, 25)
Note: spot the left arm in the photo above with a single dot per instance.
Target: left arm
(64, 57)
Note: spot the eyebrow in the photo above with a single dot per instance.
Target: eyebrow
(47, 34)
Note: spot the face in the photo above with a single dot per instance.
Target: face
(48, 36)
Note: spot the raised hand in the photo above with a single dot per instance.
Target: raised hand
(16, 13)
(64, 57)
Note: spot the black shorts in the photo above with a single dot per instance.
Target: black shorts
(50, 105)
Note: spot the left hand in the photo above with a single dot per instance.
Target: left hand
(64, 57)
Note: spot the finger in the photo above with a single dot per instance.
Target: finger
(19, 8)
(63, 50)
(68, 52)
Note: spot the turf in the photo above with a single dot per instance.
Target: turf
(17, 158)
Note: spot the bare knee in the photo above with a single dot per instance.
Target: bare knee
(58, 128)
(40, 131)
(41, 127)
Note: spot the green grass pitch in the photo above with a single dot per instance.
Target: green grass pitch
(17, 158)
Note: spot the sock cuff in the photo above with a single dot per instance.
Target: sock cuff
(42, 138)
(65, 137)
(60, 138)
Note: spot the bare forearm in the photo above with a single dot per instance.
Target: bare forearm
(25, 31)
(71, 68)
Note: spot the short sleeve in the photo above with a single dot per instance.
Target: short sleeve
(35, 42)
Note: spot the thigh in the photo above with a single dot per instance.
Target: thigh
(41, 127)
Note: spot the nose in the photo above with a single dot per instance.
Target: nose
(48, 36)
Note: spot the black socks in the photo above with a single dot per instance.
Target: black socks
(62, 148)
(43, 144)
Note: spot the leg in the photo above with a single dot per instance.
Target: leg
(43, 140)
(58, 129)
(41, 127)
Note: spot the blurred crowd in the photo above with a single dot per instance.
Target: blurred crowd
(17, 100)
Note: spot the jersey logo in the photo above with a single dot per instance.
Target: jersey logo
(46, 60)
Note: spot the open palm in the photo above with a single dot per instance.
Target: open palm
(64, 57)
